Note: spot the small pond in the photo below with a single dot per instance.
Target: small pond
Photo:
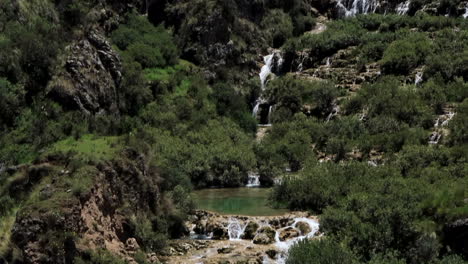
(236, 201)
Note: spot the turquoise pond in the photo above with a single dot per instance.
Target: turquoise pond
(237, 201)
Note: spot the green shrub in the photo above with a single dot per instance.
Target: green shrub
(405, 54)
(278, 26)
(320, 251)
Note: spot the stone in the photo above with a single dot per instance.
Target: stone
(250, 230)
(266, 235)
(271, 253)
(152, 258)
(303, 227)
(225, 250)
(287, 233)
(218, 230)
(132, 245)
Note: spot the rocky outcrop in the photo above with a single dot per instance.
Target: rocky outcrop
(61, 226)
(265, 235)
(89, 77)
(342, 67)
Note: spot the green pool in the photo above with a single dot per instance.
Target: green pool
(239, 201)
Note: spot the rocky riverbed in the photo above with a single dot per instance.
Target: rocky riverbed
(233, 239)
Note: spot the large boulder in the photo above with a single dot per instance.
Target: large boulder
(303, 227)
(265, 235)
(250, 230)
(288, 233)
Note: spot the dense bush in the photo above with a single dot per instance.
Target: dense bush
(320, 251)
(279, 27)
(405, 54)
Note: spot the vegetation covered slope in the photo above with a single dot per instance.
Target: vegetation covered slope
(109, 120)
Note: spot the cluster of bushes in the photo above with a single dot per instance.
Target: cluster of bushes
(391, 41)
(389, 212)
(397, 208)
(290, 94)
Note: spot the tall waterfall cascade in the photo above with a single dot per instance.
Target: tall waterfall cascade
(349, 8)
(273, 63)
(441, 122)
(403, 8)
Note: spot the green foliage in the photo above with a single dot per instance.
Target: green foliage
(405, 54)
(149, 45)
(320, 251)
(459, 125)
(89, 147)
(11, 101)
(289, 94)
(279, 27)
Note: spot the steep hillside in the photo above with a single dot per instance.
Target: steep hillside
(113, 112)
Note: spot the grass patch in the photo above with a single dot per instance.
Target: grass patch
(89, 147)
(6, 224)
(164, 74)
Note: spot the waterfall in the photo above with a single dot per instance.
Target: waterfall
(465, 15)
(435, 137)
(285, 245)
(334, 112)
(235, 228)
(441, 121)
(253, 180)
(327, 63)
(357, 7)
(273, 63)
(450, 115)
(402, 8)
(266, 69)
(418, 78)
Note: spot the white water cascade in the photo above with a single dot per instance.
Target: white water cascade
(465, 15)
(334, 112)
(441, 121)
(349, 9)
(272, 62)
(235, 228)
(253, 180)
(418, 78)
(403, 8)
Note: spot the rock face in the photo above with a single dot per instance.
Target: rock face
(91, 220)
(89, 77)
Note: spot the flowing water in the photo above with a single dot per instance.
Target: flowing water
(439, 124)
(352, 8)
(273, 63)
(418, 78)
(403, 8)
(254, 180)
